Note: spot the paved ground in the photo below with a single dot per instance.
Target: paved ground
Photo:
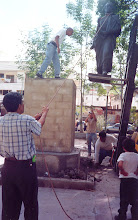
(100, 204)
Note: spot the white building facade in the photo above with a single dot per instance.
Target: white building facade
(11, 78)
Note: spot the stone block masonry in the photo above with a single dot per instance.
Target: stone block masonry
(58, 132)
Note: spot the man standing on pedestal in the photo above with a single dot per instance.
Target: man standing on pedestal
(52, 52)
(91, 130)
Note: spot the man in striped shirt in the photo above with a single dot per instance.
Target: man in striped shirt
(19, 178)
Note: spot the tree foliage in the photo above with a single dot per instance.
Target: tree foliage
(81, 12)
(133, 116)
(126, 9)
(34, 46)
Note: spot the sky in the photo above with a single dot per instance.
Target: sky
(26, 15)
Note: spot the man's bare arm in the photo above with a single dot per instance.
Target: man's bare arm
(136, 172)
(94, 116)
(57, 43)
(43, 116)
(86, 120)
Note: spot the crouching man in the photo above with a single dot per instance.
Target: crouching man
(104, 146)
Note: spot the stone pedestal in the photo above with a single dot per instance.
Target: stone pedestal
(57, 136)
(57, 161)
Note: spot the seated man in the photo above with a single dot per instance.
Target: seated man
(104, 146)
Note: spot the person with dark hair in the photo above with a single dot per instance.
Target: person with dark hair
(11, 101)
(19, 177)
(104, 146)
(128, 174)
(104, 42)
(52, 51)
(91, 136)
(102, 134)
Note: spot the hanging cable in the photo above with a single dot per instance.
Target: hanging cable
(40, 137)
(52, 182)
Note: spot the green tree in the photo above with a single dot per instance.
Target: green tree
(34, 47)
(81, 12)
(133, 116)
(33, 53)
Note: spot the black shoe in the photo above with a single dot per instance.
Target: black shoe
(118, 217)
(104, 73)
(57, 77)
(39, 75)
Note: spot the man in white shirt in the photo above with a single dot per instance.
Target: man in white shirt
(128, 174)
(52, 51)
(104, 146)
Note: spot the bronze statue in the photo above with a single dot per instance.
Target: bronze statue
(104, 42)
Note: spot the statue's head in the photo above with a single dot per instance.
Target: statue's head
(109, 8)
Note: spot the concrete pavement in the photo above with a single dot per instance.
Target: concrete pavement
(99, 204)
(82, 205)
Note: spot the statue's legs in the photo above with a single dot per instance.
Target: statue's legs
(99, 60)
(107, 55)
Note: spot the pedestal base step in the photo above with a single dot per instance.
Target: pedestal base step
(66, 184)
(57, 161)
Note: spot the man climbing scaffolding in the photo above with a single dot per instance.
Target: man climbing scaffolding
(52, 51)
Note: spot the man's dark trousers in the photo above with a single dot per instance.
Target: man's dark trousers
(128, 195)
(19, 184)
(104, 153)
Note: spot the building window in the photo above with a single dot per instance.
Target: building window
(5, 92)
(1, 92)
(1, 75)
(11, 77)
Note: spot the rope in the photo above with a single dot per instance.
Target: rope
(109, 206)
(40, 137)
(106, 195)
(43, 150)
(52, 182)
(102, 23)
(75, 64)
